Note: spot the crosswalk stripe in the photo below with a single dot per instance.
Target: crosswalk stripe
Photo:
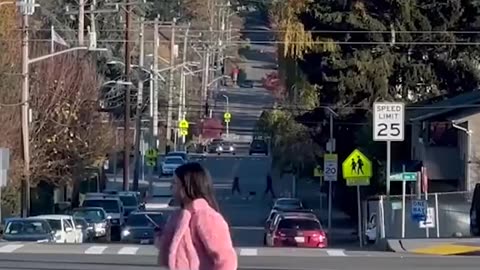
(10, 248)
(128, 251)
(95, 250)
(336, 252)
(248, 252)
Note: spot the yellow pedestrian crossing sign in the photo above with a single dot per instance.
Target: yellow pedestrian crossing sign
(357, 169)
(151, 153)
(183, 124)
(227, 117)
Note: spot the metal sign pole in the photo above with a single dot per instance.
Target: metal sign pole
(404, 187)
(359, 209)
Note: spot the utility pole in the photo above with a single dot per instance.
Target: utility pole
(156, 46)
(138, 126)
(126, 132)
(171, 83)
(25, 112)
(181, 105)
(81, 22)
(93, 26)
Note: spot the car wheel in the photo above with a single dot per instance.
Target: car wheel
(264, 239)
(234, 153)
(250, 153)
(218, 154)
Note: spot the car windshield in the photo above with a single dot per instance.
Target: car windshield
(258, 143)
(110, 206)
(288, 203)
(129, 200)
(173, 160)
(143, 220)
(55, 224)
(299, 224)
(177, 154)
(19, 227)
(90, 214)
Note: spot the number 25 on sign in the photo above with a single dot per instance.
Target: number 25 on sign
(388, 121)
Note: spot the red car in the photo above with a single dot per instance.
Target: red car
(297, 230)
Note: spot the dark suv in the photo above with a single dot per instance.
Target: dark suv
(258, 147)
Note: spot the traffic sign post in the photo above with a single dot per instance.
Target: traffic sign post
(183, 126)
(227, 117)
(357, 171)
(330, 167)
(388, 126)
(419, 210)
(151, 156)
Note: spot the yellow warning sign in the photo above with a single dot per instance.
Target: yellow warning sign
(317, 171)
(357, 169)
(183, 124)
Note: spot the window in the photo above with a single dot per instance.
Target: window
(90, 215)
(110, 206)
(68, 224)
(442, 134)
(144, 220)
(26, 227)
(299, 224)
(129, 200)
(173, 161)
(55, 224)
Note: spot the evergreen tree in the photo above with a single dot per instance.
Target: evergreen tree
(407, 50)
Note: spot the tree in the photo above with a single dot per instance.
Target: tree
(392, 50)
(68, 132)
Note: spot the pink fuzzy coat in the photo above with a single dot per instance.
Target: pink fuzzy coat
(197, 238)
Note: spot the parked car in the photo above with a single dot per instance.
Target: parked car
(98, 218)
(170, 164)
(297, 230)
(258, 147)
(65, 228)
(28, 230)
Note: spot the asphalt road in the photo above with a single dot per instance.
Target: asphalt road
(374, 261)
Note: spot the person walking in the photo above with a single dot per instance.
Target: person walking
(196, 237)
(269, 187)
(236, 185)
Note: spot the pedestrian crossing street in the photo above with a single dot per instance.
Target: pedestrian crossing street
(147, 250)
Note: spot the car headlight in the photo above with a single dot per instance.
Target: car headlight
(220, 148)
(58, 236)
(100, 226)
(231, 148)
(125, 233)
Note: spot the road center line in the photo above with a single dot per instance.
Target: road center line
(128, 251)
(10, 248)
(95, 250)
(336, 252)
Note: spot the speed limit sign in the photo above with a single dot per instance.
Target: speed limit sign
(330, 165)
(388, 121)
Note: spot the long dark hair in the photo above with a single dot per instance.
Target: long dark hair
(195, 183)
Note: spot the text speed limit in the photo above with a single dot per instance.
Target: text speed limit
(388, 121)
(330, 165)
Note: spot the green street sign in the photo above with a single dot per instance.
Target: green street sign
(406, 176)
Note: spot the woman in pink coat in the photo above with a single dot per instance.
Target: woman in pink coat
(196, 237)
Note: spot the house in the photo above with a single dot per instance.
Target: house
(445, 137)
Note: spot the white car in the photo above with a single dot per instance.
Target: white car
(170, 164)
(65, 228)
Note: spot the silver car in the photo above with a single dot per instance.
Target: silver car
(170, 164)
